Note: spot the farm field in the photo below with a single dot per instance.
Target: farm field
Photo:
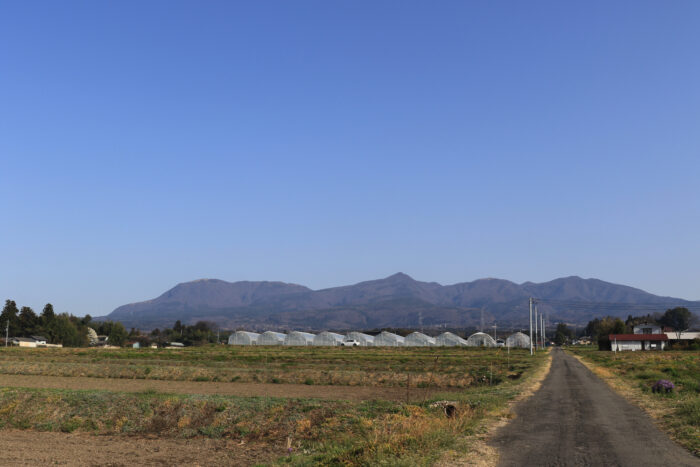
(633, 373)
(305, 406)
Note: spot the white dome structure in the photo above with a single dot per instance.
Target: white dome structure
(388, 339)
(271, 338)
(243, 338)
(299, 338)
(518, 340)
(448, 339)
(330, 339)
(481, 339)
(418, 339)
(365, 340)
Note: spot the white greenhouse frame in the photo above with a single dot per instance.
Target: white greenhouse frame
(271, 338)
(388, 339)
(481, 339)
(448, 339)
(418, 339)
(326, 338)
(299, 338)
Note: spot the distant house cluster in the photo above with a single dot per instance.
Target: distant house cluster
(383, 339)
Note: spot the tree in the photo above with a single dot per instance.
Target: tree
(117, 334)
(9, 315)
(28, 321)
(678, 318)
(48, 323)
(562, 334)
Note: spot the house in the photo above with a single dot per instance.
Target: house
(644, 337)
(23, 341)
(40, 340)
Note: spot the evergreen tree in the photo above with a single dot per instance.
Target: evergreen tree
(28, 321)
(10, 315)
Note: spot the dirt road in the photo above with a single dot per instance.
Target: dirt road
(355, 393)
(575, 419)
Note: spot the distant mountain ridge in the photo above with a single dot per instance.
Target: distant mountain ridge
(395, 301)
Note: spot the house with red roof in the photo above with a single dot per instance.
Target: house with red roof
(645, 337)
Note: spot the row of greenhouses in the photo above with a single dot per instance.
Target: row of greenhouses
(383, 339)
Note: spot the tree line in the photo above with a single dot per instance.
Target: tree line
(62, 328)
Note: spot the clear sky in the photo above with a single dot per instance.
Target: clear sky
(144, 144)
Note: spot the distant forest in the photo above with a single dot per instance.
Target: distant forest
(71, 331)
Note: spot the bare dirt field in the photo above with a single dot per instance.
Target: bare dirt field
(353, 393)
(42, 448)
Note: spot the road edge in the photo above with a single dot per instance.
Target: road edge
(634, 395)
(481, 453)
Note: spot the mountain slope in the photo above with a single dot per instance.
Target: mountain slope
(395, 301)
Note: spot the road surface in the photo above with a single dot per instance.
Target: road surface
(575, 419)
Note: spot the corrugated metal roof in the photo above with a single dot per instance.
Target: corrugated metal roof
(638, 337)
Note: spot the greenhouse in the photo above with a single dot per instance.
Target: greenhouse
(388, 339)
(365, 340)
(418, 339)
(447, 339)
(271, 338)
(518, 340)
(299, 338)
(481, 339)
(243, 338)
(328, 339)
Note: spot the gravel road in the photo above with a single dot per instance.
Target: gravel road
(576, 419)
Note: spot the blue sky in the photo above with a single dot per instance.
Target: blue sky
(144, 144)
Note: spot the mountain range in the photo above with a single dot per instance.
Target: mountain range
(395, 301)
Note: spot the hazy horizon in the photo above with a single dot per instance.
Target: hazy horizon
(147, 144)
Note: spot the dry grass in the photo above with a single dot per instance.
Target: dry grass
(487, 455)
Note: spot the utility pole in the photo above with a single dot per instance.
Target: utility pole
(537, 339)
(544, 339)
(7, 332)
(531, 300)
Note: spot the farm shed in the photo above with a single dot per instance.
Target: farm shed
(271, 338)
(447, 339)
(637, 341)
(243, 338)
(328, 339)
(365, 340)
(299, 338)
(481, 339)
(518, 340)
(418, 339)
(388, 339)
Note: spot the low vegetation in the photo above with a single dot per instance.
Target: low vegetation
(442, 367)
(634, 374)
(301, 431)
